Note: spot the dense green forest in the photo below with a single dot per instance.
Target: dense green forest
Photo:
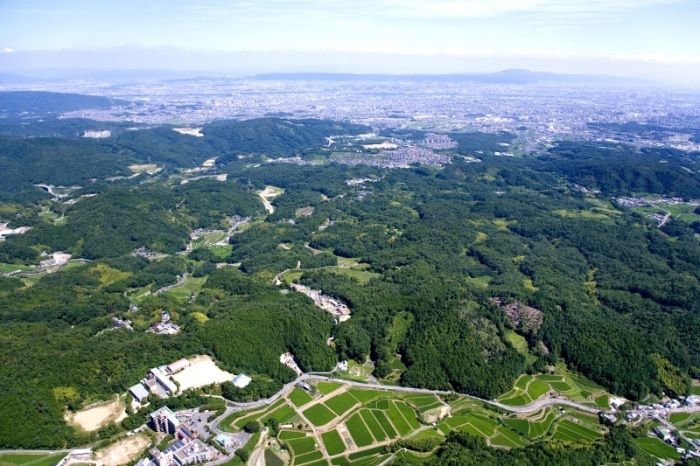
(612, 295)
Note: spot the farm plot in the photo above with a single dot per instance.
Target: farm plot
(567, 430)
(299, 397)
(340, 404)
(319, 415)
(529, 388)
(658, 448)
(374, 427)
(359, 431)
(302, 446)
(328, 387)
(333, 442)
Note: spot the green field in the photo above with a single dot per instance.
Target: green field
(340, 404)
(239, 422)
(30, 459)
(658, 448)
(291, 434)
(302, 446)
(191, 287)
(308, 458)
(384, 422)
(334, 444)
(299, 397)
(408, 413)
(272, 460)
(679, 417)
(319, 415)
(359, 431)
(284, 414)
(529, 388)
(327, 387)
(374, 427)
(363, 396)
(567, 430)
(397, 419)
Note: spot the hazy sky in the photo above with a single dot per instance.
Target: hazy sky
(633, 36)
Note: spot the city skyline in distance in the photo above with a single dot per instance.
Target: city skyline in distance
(654, 40)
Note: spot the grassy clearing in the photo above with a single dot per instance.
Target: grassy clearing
(334, 444)
(675, 418)
(328, 387)
(254, 416)
(7, 268)
(357, 273)
(359, 432)
(191, 287)
(421, 401)
(481, 282)
(299, 397)
(30, 459)
(319, 415)
(340, 404)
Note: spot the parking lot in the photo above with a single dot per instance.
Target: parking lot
(196, 422)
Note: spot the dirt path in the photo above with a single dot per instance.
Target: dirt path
(270, 192)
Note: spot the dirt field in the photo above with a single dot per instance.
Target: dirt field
(125, 451)
(92, 419)
(189, 131)
(202, 372)
(270, 192)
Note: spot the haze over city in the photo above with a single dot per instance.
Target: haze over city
(654, 40)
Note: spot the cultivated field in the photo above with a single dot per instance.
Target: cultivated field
(529, 388)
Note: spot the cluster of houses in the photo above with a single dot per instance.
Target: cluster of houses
(188, 449)
(165, 326)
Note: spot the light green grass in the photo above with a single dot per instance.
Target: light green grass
(299, 397)
(365, 396)
(333, 442)
(340, 404)
(359, 432)
(421, 401)
(31, 459)
(308, 458)
(240, 422)
(283, 415)
(319, 415)
(221, 252)
(302, 446)
(191, 287)
(7, 268)
(521, 383)
(291, 434)
(328, 387)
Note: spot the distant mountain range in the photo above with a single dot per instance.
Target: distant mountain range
(513, 76)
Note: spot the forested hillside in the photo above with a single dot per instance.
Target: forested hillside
(430, 260)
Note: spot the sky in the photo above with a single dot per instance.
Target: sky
(658, 39)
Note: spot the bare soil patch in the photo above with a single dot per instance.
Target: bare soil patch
(90, 420)
(124, 451)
